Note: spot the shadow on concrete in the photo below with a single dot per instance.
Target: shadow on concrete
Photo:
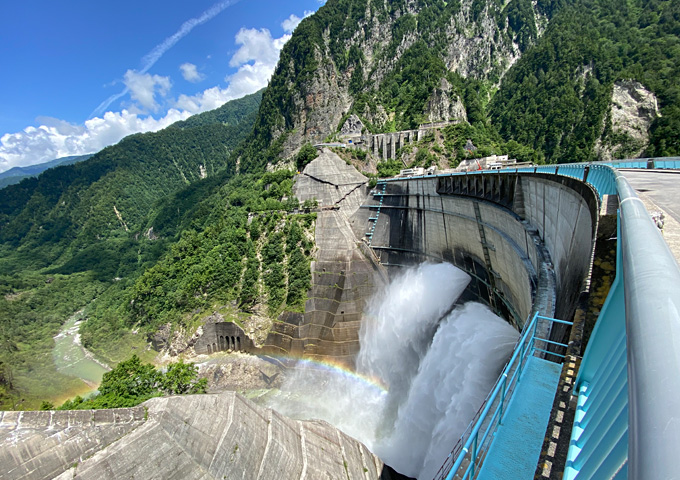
(389, 473)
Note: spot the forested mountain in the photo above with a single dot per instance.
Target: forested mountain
(110, 194)
(164, 227)
(573, 79)
(17, 174)
(77, 233)
(587, 88)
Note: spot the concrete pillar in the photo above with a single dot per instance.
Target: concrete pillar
(393, 145)
(374, 139)
(383, 142)
(401, 139)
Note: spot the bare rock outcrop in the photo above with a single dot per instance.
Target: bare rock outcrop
(445, 105)
(632, 111)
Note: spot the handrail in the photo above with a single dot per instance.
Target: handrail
(652, 299)
(505, 385)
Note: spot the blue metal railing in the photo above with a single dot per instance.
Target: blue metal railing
(599, 438)
(464, 460)
(628, 423)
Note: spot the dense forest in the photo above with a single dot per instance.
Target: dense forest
(557, 97)
(163, 228)
(79, 232)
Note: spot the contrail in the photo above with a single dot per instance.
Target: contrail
(157, 52)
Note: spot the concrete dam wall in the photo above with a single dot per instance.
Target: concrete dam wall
(526, 240)
(185, 437)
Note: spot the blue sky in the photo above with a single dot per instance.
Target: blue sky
(80, 75)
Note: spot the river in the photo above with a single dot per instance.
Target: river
(71, 358)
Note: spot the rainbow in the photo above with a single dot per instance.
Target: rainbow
(335, 368)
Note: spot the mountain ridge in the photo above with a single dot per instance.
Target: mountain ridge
(16, 174)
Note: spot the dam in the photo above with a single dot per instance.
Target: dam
(527, 238)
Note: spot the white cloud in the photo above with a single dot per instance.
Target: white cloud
(56, 138)
(290, 23)
(255, 60)
(159, 50)
(257, 45)
(293, 21)
(144, 86)
(190, 73)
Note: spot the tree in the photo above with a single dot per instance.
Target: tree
(181, 379)
(306, 154)
(130, 378)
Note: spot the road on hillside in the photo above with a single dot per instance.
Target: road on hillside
(663, 188)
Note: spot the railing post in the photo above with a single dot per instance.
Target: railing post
(503, 391)
(474, 455)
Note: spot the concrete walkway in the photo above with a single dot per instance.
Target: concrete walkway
(660, 192)
(517, 446)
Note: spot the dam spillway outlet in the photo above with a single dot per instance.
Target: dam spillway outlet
(422, 371)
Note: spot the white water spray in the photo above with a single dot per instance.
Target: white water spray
(438, 371)
(467, 355)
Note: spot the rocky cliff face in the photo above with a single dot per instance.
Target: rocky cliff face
(632, 110)
(350, 56)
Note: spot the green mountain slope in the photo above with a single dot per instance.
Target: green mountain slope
(110, 194)
(383, 61)
(574, 80)
(558, 97)
(17, 174)
(74, 234)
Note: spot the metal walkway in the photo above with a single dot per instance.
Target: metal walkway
(517, 444)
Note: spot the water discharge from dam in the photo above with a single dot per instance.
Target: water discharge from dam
(421, 374)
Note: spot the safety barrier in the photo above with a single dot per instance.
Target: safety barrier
(464, 460)
(599, 437)
(629, 382)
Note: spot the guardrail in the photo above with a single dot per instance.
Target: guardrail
(628, 419)
(464, 460)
